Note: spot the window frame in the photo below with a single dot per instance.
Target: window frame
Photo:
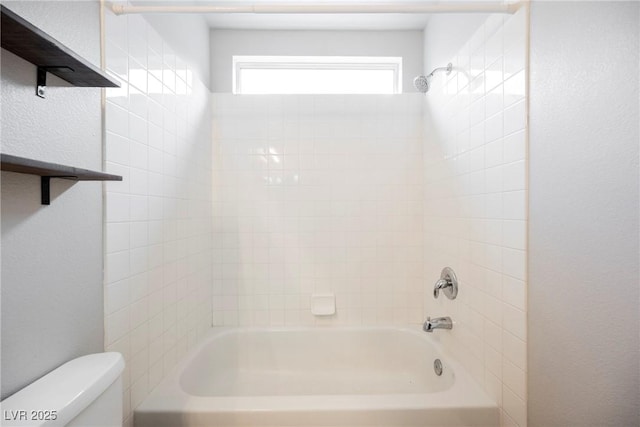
(387, 63)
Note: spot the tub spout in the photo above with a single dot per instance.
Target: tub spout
(437, 323)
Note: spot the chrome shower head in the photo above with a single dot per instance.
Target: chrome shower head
(423, 83)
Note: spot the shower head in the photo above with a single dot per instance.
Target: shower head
(423, 83)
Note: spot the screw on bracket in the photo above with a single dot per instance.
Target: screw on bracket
(42, 82)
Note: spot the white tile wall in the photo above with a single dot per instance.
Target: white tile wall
(475, 206)
(317, 194)
(159, 218)
(343, 194)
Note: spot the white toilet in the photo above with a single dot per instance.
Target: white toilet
(84, 392)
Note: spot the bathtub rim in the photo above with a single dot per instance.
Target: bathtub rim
(168, 395)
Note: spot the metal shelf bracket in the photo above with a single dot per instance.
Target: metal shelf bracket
(45, 190)
(41, 83)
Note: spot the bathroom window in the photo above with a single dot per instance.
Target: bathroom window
(317, 75)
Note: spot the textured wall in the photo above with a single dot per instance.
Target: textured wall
(158, 220)
(583, 253)
(475, 198)
(51, 255)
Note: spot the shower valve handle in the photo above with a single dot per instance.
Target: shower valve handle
(448, 283)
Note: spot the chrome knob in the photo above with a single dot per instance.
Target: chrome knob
(440, 284)
(448, 283)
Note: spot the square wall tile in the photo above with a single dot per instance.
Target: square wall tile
(475, 206)
(148, 266)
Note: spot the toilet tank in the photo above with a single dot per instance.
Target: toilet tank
(84, 392)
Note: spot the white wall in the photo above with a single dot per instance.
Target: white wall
(317, 194)
(226, 43)
(583, 252)
(437, 48)
(159, 219)
(51, 255)
(475, 197)
(187, 35)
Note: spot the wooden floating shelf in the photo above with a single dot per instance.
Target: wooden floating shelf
(49, 55)
(48, 170)
(52, 170)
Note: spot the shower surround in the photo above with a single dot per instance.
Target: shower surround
(158, 219)
(317, 194)
(475, 162)
(367, 197)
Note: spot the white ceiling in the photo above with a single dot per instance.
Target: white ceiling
(301, 21)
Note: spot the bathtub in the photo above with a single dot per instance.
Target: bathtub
(316, 377)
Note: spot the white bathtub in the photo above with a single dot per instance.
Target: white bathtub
(316, 377)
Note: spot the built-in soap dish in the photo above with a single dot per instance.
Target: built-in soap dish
(323, 304)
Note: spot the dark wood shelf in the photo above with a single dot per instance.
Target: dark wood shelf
(48, 170)
(49, 55)
(52, 170)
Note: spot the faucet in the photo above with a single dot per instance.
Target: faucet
(437, 323)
